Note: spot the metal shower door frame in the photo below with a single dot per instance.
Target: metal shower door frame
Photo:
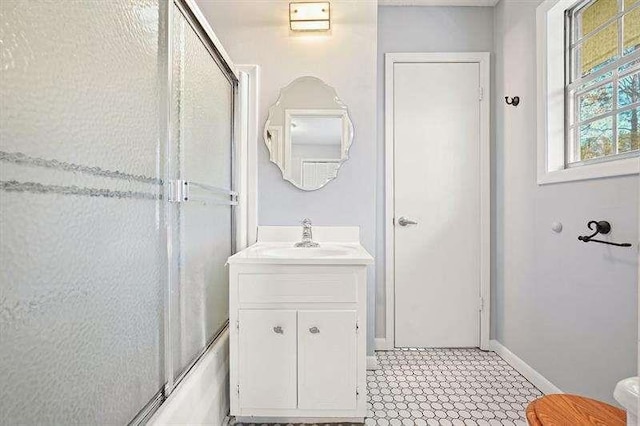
(177, 191)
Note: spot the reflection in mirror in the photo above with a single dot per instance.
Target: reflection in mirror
(308, 133)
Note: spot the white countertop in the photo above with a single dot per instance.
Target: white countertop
(284, 253)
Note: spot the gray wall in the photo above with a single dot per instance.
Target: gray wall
(566, 308)
(257, 32)
(420, 29)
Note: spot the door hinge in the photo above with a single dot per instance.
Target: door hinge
(238, 324)
(178, 191)
(357, 326)
(480, 93)
(238, 389)
(357, 392)
(480, 304)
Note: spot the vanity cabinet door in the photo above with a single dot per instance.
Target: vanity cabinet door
(267, 366)
(327, 360)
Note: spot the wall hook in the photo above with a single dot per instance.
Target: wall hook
(514, 101)
(601, 227)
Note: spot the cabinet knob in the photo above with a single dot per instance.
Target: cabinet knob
(314, 330)
(278, 330)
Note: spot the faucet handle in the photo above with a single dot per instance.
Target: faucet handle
(306, 222)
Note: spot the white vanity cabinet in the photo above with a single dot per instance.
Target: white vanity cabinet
(298, 336)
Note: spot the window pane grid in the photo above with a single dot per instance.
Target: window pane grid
(627, 64)
(574, 131)
(603, 79)
(614, 119)
(578, 38)
(607, 114)
(630, 34)
(593, 84)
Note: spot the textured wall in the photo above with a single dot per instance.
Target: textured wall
(257, 32)
(566, 308)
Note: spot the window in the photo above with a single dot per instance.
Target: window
(602, 72)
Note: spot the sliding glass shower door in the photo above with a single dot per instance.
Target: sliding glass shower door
(115, 217)
(201, 121)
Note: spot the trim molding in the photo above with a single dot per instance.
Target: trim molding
(483, 59)
(476, 3)
(249, 99)
(537, 379)
(335, 421)
(380, 344)
(372, 362)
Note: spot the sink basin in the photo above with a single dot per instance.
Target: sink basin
(305, 252)
(284, 253)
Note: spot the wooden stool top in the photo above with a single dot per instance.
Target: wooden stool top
(573, 410)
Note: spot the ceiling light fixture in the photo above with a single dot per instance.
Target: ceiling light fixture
(310, 16)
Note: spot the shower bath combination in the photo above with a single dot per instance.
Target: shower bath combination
(111, 286)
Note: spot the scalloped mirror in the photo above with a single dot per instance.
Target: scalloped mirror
(308, 133)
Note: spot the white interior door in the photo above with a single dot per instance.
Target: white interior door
(267, 346)
(327, 360)
(437, 184)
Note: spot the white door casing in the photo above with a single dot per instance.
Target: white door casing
(246, 155)
(437, 132)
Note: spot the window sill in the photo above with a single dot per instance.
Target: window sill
(623, 167)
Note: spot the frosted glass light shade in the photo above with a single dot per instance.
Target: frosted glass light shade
(310, 16)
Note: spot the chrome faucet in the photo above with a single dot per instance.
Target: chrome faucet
(307, 237)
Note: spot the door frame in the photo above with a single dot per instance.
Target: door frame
(246, 159)
(484, 91)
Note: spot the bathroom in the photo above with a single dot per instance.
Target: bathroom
(146, 209)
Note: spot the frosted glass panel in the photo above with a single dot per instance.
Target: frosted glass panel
(205, 96)
(79, 81)
(202, 128)
(204, 292)
(81, 246)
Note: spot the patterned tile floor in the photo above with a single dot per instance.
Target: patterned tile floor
(446, 387)
(461, 387)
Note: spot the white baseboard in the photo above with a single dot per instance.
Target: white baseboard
(372, 362)
(537, 379)
(380, 344)
(298, 420)
(202, 397)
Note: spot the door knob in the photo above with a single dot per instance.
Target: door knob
(314, 330)
(403, 221)
(278, 330)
